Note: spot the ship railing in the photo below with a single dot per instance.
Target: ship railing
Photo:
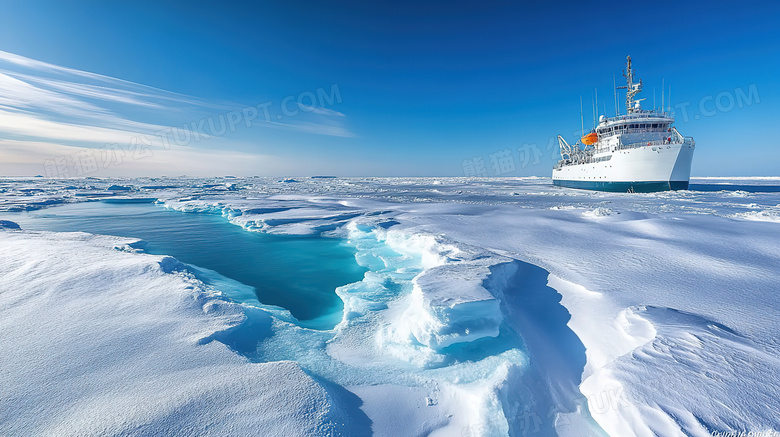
(688, 141)
(642, 115)
(664, 142)
(632, 131)
(576, 158)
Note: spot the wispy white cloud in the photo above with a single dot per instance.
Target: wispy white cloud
(26, 158)
(320, 110)
(35, 127)
(93, 91)
(108, 83)
(20, 94)
(319, 128)
(43, 103)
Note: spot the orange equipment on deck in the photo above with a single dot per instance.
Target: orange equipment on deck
(590, 139)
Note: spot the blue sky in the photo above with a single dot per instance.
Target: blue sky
(420, 86)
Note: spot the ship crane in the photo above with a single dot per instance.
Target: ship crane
(566, 150)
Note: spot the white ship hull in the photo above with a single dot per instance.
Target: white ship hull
(641, 169)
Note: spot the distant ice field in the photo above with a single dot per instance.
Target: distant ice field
(388, 306)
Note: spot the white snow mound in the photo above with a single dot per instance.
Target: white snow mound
(98, 341)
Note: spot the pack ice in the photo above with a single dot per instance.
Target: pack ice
(490, 307)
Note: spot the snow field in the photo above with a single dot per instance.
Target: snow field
(491, 307)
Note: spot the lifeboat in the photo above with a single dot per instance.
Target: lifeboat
(590, 139)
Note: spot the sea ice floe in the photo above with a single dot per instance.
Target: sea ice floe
(768, 215)
(598, 212)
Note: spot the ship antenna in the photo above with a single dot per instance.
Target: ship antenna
(614, 91)
(631, 88)
(582, 123)
(663, 89)
(597, 106)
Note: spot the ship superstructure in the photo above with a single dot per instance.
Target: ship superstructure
(640, 151)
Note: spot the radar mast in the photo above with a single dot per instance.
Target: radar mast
(631, 88)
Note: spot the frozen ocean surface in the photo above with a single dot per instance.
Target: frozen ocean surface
(469, 307)
(298, 273)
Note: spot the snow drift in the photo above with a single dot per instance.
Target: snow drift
(99, 340)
